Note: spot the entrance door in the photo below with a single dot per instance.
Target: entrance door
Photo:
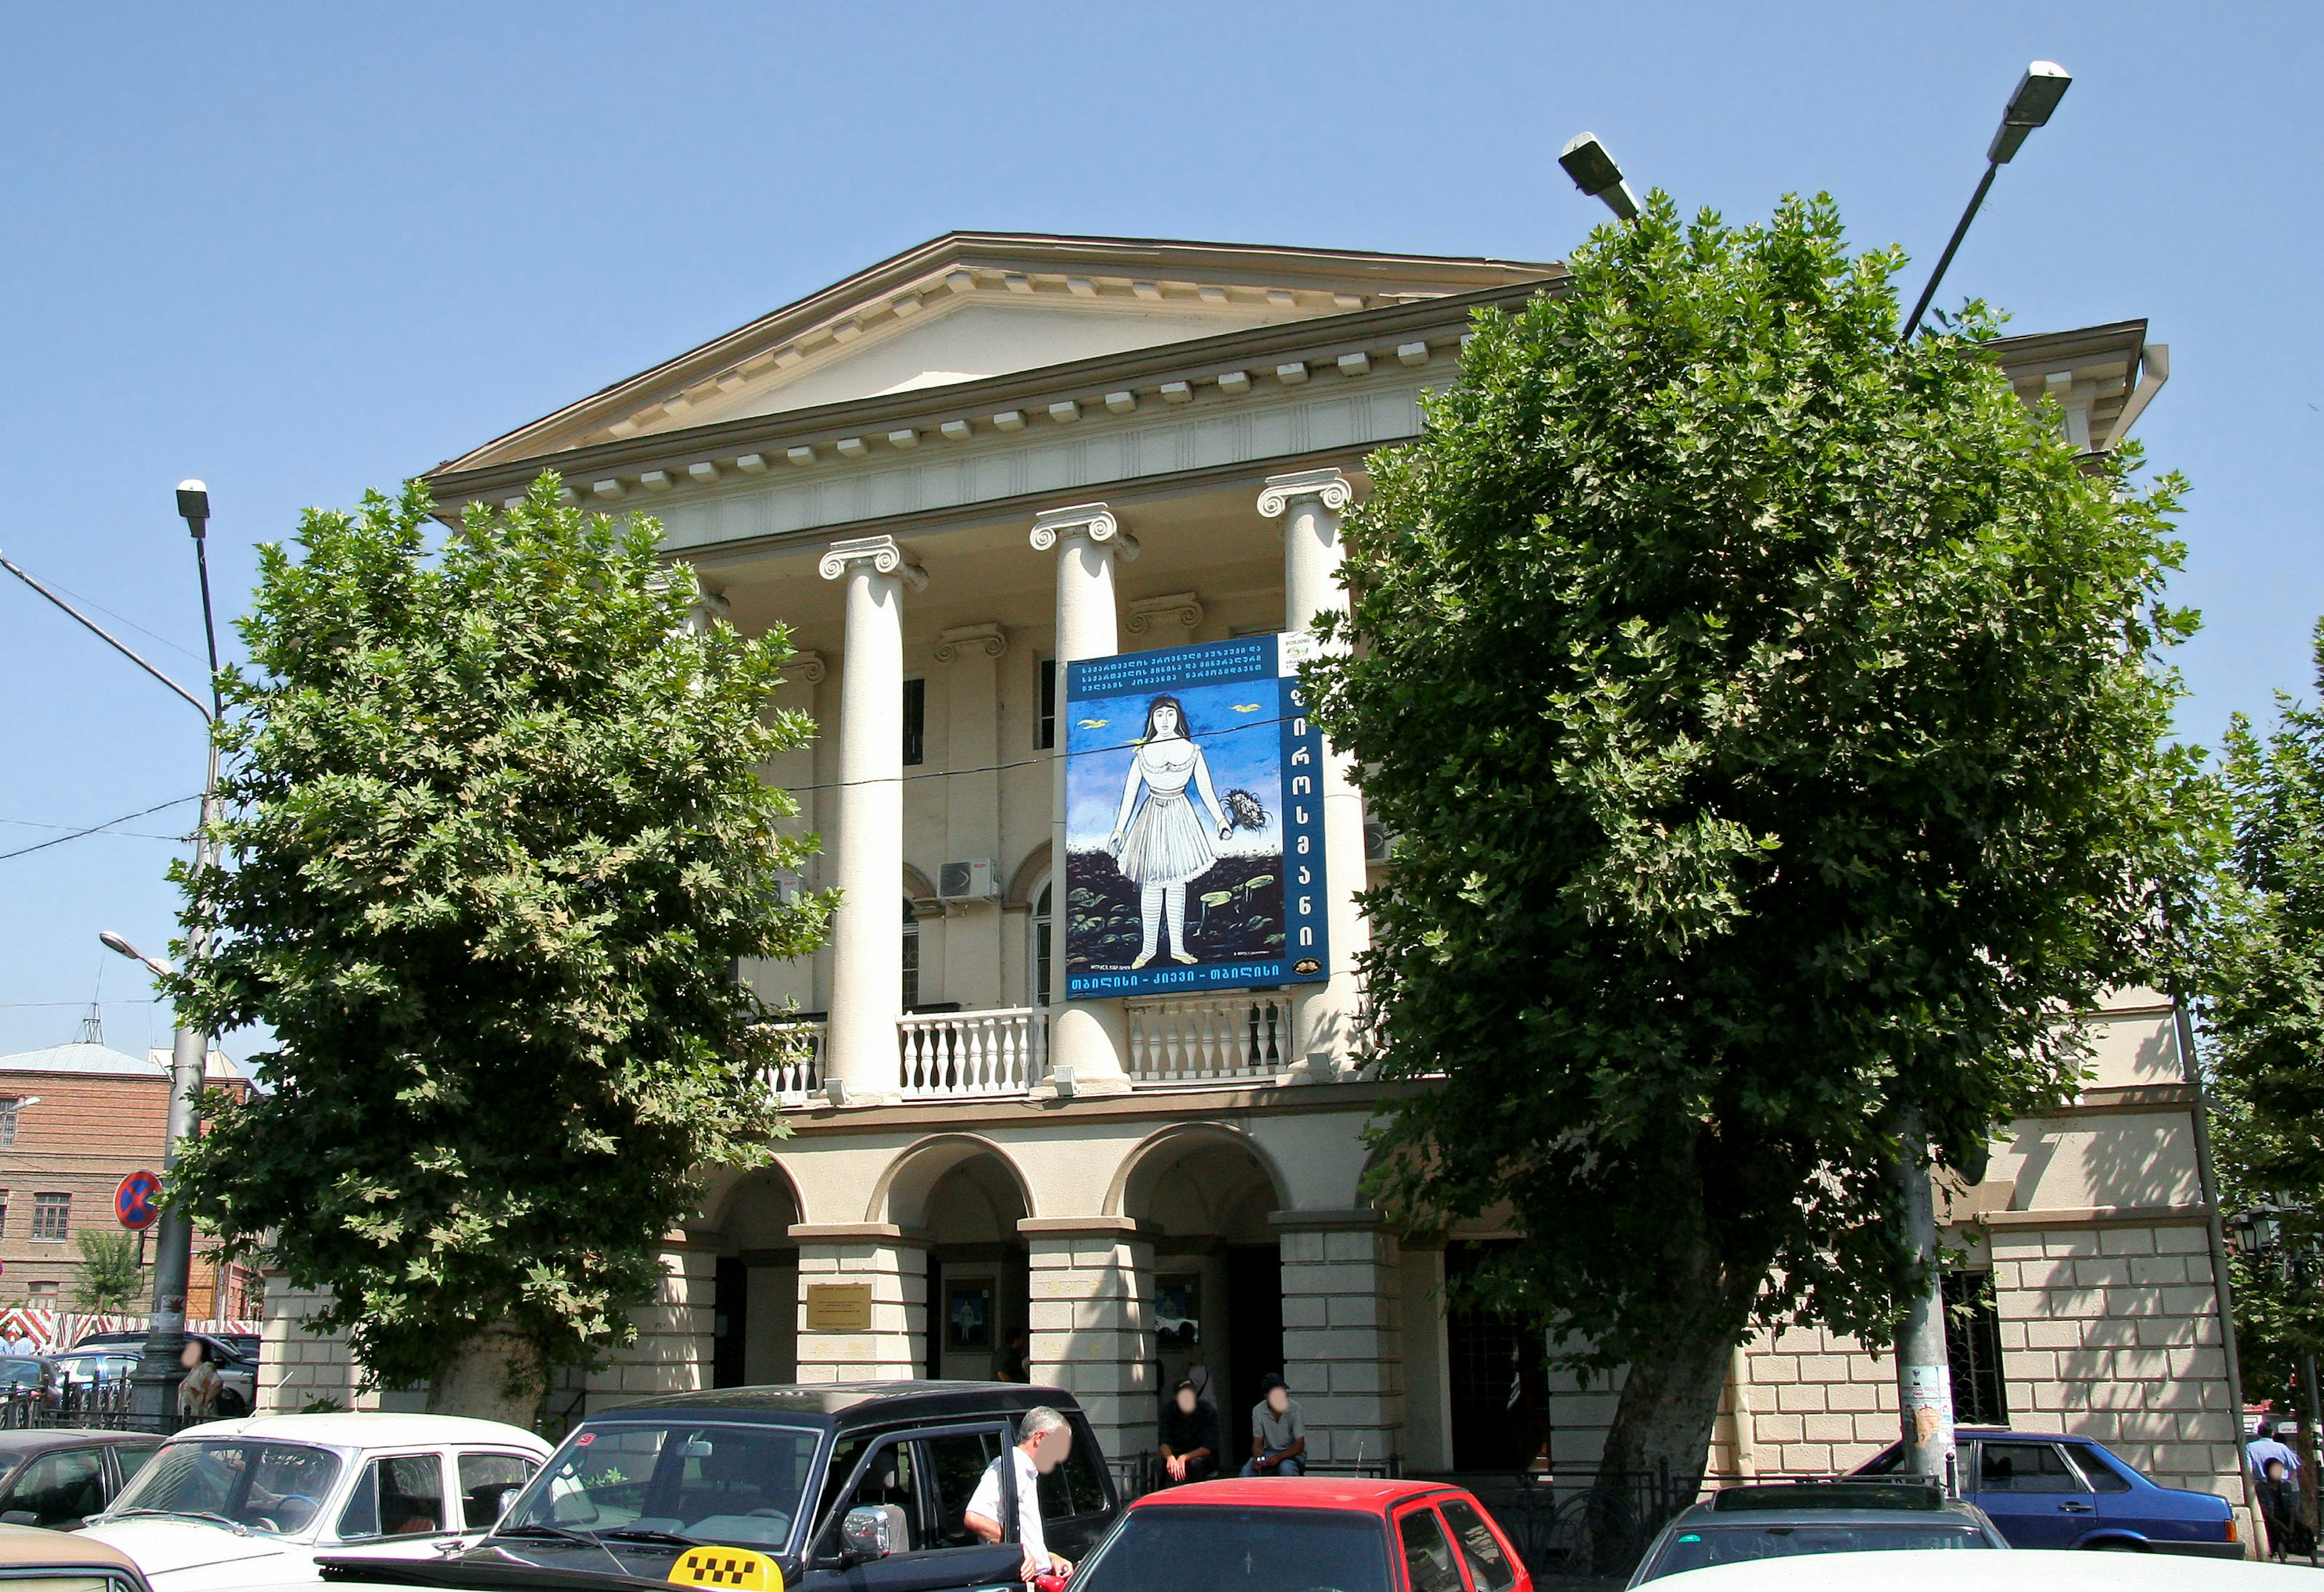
(1500, 1393)
(1254, 1340)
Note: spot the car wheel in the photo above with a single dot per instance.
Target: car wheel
(231, 1404)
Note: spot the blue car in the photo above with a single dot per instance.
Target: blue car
(2046, 1490)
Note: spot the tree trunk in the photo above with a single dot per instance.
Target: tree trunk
(496, 1376)
(1659, 1444)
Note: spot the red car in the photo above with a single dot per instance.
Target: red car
(1305, 1534)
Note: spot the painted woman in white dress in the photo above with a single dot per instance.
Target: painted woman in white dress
(1166, 846)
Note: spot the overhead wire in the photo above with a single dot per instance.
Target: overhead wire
(100, 829)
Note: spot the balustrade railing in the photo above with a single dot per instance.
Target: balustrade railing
(1194, 1038)
(800, 1075)
(949, 1055)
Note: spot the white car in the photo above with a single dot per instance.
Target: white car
(251, 1503)
(2039, 1569)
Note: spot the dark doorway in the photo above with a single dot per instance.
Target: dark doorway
(1254, 1338)
(1499, 1392)
(730, 1322)
(933, 1335)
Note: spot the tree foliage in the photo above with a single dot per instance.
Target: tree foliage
(1772, 725)
(2263, 980)
(497, 839)
(108, 1276)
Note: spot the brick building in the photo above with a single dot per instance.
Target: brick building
(75, 1120)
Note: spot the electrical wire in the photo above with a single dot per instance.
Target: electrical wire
(1042, 759)
(134, 834)
(98, 828)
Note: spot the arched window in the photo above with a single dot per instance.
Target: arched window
(1041, 946)
(911, 957)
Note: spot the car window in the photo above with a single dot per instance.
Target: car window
(1428, 1564)
(1076, 1486)
(738, 1484)
(1710, 1544)
(1489, 1566)
(268, 1486)
(890, 1479)
(131, 1457)
(59, 1486)
(399, 1495)
(2024, 1468)
(953, 1466)
(2103, 1474)
(486, 1481)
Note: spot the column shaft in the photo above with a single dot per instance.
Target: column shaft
(1342, 1337)
(1090, 1037)
(972, 931)
(1092, 1290)
(867, 975)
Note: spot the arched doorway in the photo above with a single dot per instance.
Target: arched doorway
(960, 1195)
(1218, 1264)
(754, 1334)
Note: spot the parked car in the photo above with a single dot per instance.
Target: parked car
(66, 1377)
(1987, 1572)
(2048, 1490)
(20, 1375)
(52, 1562)
(237, 1368)
(1306, 1531)
(776, 1472)
(1787, 1520)
(251, 1503)
(59, 1478)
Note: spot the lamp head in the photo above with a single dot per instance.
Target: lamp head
(2044, 83)
(1594, 172)
(120, 946)
(193, 505)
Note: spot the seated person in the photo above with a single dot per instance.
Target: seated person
(1279, 1432)
(1190, 1431)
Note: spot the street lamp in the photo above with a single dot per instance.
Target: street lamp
(2044, 83)
(1594, 172)
(158, 1371)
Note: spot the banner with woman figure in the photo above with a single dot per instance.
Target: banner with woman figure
(1194, 822)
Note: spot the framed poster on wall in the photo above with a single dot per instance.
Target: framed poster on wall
(968, 1316)
(1193, 821)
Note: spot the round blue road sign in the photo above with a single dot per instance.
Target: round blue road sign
(133, 1201)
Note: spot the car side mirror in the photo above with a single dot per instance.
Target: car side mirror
(873, 1531)
(19, 1517)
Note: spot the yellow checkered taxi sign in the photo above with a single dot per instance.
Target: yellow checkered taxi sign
(737, 1568)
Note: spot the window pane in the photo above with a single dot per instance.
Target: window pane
(131, 1457)
(1216, 1549)
(1074, 1487)
(2102, 1475)
(1973, 1349)
(2024, 1468)
(60, 1487)
(360, 1518)
(1488, 1567)
(51, 1214)
(1044, 727)
(957, 1464)
(916, 720)
(485, 1481)
(1427, 1557)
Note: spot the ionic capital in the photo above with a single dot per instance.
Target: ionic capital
(881, 552)
(1180, 608)
(970, 641)
(1092, 519)
(1329, 486)
(803, 668)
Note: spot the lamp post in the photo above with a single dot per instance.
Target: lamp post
(2260, 1238)
(158, 1371)
(1594, 172)
(2038, 92)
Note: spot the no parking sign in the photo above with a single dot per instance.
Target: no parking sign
(133, 1201)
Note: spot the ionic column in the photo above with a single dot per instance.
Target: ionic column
(867, 947)
(1308, 503)
(1091, 1037)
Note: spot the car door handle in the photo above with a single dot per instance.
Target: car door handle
(2073, 1506)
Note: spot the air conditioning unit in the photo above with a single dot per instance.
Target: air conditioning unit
(1380, 844)
(969, 880)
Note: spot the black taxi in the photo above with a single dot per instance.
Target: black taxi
(859, 1486)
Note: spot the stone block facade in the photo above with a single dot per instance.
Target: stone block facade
(1092, 1286)
(1343, 1332)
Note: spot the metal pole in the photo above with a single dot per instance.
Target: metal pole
(1913, 322)
(1924, 1388)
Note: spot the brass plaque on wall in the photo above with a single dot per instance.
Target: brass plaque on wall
(839, 1307)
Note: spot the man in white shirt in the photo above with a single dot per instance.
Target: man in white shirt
(1042, 1441)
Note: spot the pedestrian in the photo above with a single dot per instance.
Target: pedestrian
(1279, 1432)
(1016, 1358)
(1042, 1441)
(197, 1393)
(1190, 1431)
(2264, 1448)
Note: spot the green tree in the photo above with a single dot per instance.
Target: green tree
(109, 1276)
(1772, 726)
(2263, 984)
(497, 839)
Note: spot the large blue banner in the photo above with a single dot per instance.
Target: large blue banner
(1194, 823)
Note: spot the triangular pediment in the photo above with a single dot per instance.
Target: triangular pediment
(973, 306)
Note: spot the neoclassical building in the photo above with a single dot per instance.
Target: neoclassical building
(966, 467)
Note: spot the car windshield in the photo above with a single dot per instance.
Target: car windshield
(274, 1488)
(1263, 1550)
(1729, 1544)
(737, 1484)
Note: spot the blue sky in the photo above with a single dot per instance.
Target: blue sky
(302, 250)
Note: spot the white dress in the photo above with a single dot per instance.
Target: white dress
(1166, 843)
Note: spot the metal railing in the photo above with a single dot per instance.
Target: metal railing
(1579, 1525)
(1194, 1039)
(952, 1055)
(106, 1404)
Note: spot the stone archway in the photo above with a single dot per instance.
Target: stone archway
(754, 1331)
